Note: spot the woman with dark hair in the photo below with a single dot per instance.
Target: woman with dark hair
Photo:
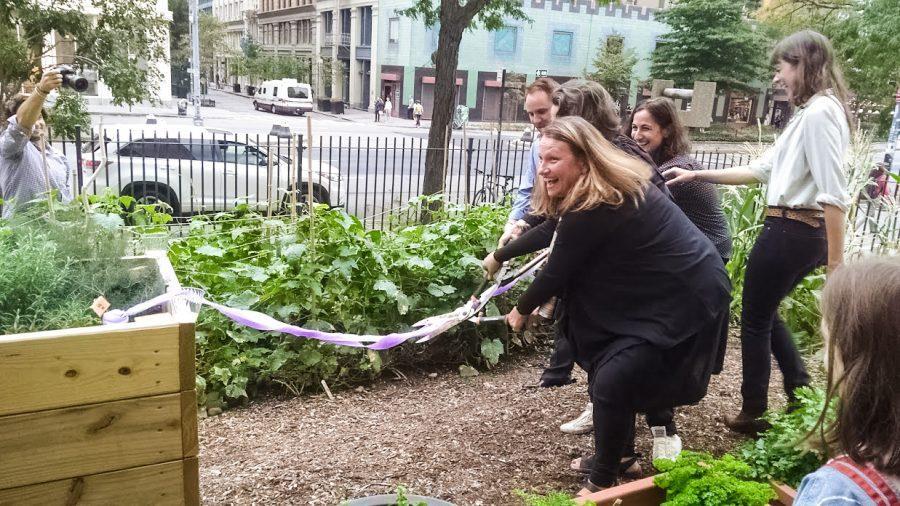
(804, 228)
(591, 101)
(655, 126)
(619, 250)
(860, 325)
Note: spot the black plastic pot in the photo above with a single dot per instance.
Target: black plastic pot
(391, 500)
(324, 104)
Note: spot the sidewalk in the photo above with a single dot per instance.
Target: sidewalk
(160, 112)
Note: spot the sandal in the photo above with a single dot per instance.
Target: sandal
(629, 467)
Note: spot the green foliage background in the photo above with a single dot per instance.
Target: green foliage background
(343, 278)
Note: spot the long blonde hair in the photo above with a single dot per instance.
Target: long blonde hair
(611, 176)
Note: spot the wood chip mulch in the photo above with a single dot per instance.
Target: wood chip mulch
(471, 441)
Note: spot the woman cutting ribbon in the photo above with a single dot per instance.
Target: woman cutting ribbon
(644, 294)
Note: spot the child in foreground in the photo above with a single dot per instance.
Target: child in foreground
(861, 326)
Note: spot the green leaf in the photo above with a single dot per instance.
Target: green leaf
(244, 300)
(210, 251)
(491, 349)
(310, 357)
(294, 252)
(387, 286)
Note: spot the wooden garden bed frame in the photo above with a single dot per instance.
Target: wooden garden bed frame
(644, 493)
(101, 415)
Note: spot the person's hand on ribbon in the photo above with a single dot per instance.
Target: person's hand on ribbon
(490, 266)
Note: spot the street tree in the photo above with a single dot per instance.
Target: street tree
(710, 40)
(454, 17)
(614, 67)
(120, 40)
(866, 39)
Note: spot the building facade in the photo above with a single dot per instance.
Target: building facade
(561, 41)
(348, 39)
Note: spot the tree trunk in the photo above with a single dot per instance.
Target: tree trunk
(445, 62)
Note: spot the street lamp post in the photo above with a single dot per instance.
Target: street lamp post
(195, 60)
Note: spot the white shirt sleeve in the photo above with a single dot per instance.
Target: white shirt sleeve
(762, 166)
(824, 145)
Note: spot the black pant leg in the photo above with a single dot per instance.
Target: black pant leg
(562, 360)
(663, 418)
(785, 252)
(788, 358)
(613, 433)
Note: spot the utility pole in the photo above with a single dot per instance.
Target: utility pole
(502, 75)
(194, 19)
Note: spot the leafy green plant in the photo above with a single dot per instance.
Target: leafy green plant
(51, 269)
(549, 499)
(402, 499)
(69, 113)
(697, 479)
(342, 278)
(781, 453)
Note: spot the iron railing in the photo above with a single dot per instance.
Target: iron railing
(369, 177)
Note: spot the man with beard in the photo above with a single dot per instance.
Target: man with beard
(22, 174)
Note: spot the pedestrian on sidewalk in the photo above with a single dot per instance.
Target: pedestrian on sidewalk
(410, 111)
(379, 106)
(418, 111)
(388, 108)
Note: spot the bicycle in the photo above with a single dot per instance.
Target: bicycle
(497, 188)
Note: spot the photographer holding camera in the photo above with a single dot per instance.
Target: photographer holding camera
(26, 173)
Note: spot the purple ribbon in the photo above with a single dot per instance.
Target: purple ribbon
(427, 328)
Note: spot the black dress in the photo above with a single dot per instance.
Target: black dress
(635, 275)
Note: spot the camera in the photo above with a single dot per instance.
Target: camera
(72, 79)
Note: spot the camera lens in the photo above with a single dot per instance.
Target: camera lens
(76, 82)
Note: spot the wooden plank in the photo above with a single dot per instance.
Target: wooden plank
(191, 481)
(47, 370)
(153, 484)
(636, 493)
(190, 442)
(69, 442)
(187, 356)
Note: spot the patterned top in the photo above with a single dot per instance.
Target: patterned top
(21, 169)
(700, 202)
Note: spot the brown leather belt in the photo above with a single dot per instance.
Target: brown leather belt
(811, 217)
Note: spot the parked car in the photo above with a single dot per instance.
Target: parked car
(193, 170)
(284, 96)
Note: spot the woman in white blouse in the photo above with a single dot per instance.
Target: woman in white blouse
(804, 228)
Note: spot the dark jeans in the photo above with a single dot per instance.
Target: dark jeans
(614, 389)
(786, 251)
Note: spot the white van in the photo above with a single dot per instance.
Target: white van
(284, 95)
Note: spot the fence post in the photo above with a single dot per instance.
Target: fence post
(469, 149)
(78, 175)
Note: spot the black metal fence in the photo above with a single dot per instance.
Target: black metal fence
(196, 171)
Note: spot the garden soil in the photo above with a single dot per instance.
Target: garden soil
(472, 441)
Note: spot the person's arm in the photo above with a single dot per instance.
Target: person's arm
(532, 240)
(577, 237)
(30, 110)
(824, 145)
(835, 218)
(734, 175)
(522, 198)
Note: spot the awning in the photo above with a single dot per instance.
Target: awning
(389, 77)
(430, 80)
(492, 84)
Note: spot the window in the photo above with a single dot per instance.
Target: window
(327, 20)
(235, 152)
(365, 26)
(505, 40)
(204, 151)
(275, 92)
(394, 30)
(561, 46)
(297, 92)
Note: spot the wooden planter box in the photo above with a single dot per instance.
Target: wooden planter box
(101, 415)
(644, 493)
